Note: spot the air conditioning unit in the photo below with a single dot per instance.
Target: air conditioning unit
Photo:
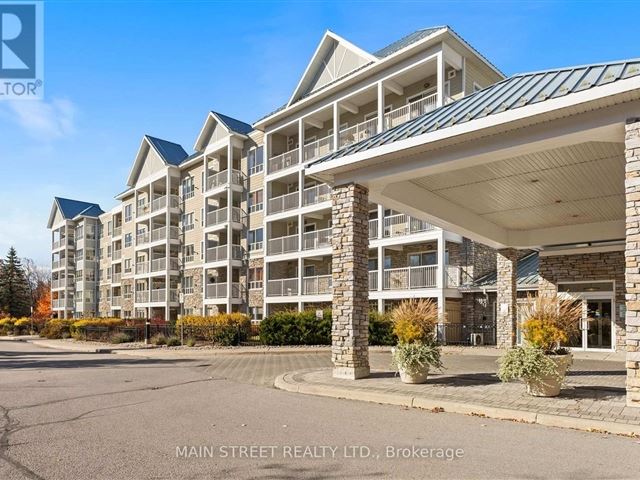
(451, 74)
(476, 339)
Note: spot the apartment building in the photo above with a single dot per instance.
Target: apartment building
(239, 224)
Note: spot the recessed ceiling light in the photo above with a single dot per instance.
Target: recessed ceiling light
(535, 180)
(575, 215)
(558, 201)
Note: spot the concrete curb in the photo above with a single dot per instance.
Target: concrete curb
(70, 347)
(287, 383)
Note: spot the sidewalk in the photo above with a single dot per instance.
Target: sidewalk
(592, 399)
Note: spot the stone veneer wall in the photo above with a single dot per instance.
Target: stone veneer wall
(506, 314)
(350, 249)
(194, 300)
(586, 267)
(256, 296)
(104, 307)
(127, 303)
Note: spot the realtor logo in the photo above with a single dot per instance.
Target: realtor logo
(20, 50)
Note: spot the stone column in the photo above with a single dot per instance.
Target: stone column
(632, 259)
(506, 315)
(350, 245)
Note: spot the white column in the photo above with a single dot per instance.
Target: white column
(380, 305)
(380, 106)
(300, 186)
(229, 228)
(380, 220)
(300, 274)
(300, 140)
(380, 268)
(336, 125)
(464, 76)
(167, 254)
(441, 272)
(440, 81)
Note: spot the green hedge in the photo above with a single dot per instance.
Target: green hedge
(303, 328)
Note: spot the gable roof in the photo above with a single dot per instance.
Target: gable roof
(234, 125)
(71, 209)
(230, 124)
(509, 94)
(526, 274)
(170, 152)
(407, 40)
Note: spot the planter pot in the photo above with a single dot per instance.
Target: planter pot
(415, 377)
(549, 385)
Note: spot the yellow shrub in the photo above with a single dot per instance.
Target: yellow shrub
(78, 326)
(550, 321)
(7, 322)
(415, 320)
(222, 328)
(21, 322)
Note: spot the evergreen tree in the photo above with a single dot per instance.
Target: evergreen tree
(15, 296)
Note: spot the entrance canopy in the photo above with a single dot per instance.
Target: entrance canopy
(535, 160)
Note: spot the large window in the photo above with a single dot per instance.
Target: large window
(188, 285)
(128, 240)
(255, 239)
(255, 160)
(188, 189)
(187, 221)
(255, 277)
(128, 212)
(189, 253)
(256, 201)
(421, 259)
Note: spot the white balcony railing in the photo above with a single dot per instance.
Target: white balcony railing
(255, 246)
(159, 295)
(282, 161)
(222, 178)
(142, 238)
(316, 239)
(410, 277)
(373, 228)
(317, 285)
(358, 132)
(116, 255)
(318, 149)
(159, 264)
(282, 287)
(116, 301)
(217, 254)
(410, 111)
(280, 245)
(117, 231)
(221, 215)
(142, 268)
(401, 224)
(283, 202)
(161, 202)
(316, 194)
(116, 277)
(373, 280)
(220, 290)
(142, 296)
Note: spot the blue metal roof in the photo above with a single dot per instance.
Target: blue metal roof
(405, 41)
(72, 208)
(526, 273)
(170, 152)
(514, 92)
(234, 125)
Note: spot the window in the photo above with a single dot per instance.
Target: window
(421, 259)
(188, 254)
(421, 95)
(128, 212)
(256, 201)
(201, 250)
(255, 239)
(255, 160)
(387, 262)
(108, 251)
(310, 271)
(255, 277)
(109, 228)
(128, 239)
(127, 265)
(188, 285)
(188, 189)
(256, 313)
(187, 222)
(373, 264)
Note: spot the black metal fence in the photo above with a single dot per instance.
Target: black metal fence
(470, 335)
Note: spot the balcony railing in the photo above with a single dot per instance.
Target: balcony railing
(158, 264)
(116, 277)
(401, 224)
(373, 228)
(282, 287)
(282, 161)
(142, 238)
(316, 239)
(358, 132)
(222, 178)
(410, 277)
(280, 245)
(220, 290)
(142, 296)
(221, 215)
(117, 231)
(159, 295)
(373, 280)
(142, 268)
(161, 202)
(318, 149)
(63, 242)
(283, 202)
(316, 194)
(317, 285)
(116, 255)
(62, 303)
(410, 111)
(116, 301)
(217, 254)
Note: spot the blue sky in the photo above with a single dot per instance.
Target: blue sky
(117, 70)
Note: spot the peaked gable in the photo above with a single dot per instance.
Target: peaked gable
(153, 155)
(217, 127)
(334, 58)
(67, 209)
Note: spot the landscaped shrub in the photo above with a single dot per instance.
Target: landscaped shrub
(296, 328)
(381, 329)
(22, 326)
(191, 342)
(158, 339)
(57, 328)
(415, 320)
(222, 329)
(94, 328)
(173, 341)
(120, 337)
(6, 325)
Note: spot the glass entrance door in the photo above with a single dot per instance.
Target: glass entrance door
(597, 333)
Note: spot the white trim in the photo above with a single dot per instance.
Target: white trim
(581, 250)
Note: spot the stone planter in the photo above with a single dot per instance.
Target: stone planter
(549, 385)
(415, 377)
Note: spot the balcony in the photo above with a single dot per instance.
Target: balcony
(222, 178)
(221, 215)
(282, 287)
(116, 301)
(282, 161)
(283, 203)
(116, 255)
(401, 224)
(142, 268)
(63, 242)
(318, 285)
(410, 111)
(220, 253)
(161, 203)
(318, 149)
(62, 303)
(220, 290)
(358, 132)
(373, 228)
(159, 295)
(373, 280)
(116, 277)
(316, 239)
(276, 246)
(410, 277)
(142, 296)
(316, 194)
(117, 231)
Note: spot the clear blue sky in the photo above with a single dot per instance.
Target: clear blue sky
(115, 71)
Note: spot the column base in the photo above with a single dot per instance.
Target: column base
(351, 373)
